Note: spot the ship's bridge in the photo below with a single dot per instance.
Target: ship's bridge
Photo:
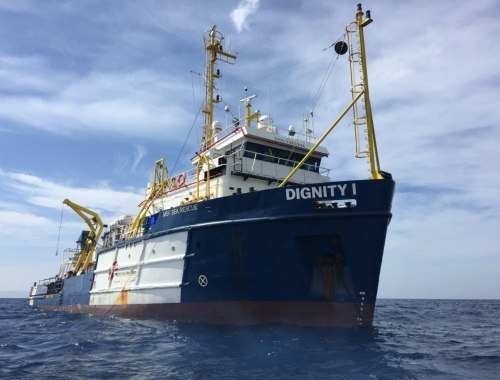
(266, 153)
(244, 159)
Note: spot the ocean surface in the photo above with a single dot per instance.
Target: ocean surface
(410, 339)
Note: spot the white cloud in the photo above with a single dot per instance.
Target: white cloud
(11, 220)
(31, 73)
(30, 226)
(30, 217)
(240, 15)
(139, 153)
(119, 102)
(46, 193)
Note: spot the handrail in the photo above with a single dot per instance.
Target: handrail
(321, 170)
(202, 159)
(236, 126)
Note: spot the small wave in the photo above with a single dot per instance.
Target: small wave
(477, 359)
(413, 355)
(10, 347)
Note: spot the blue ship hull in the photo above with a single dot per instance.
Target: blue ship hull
(270, 256)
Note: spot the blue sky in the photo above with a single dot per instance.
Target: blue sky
(93, 92)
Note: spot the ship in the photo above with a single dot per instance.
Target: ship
(255, 232)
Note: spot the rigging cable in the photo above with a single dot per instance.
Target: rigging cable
(201, 95)
(287, 67)
(330, 68)
(192, 86)
(327, 74)
(60, 225)
(223, 101)
(185, 141)
(294, 64)
(322, 85)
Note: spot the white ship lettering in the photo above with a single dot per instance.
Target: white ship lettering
(319, 191)
(286, 141)
(181, 209)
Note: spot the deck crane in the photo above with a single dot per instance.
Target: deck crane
(90, 242)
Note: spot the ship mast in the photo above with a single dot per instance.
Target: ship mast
(359, 84)
(215, 48)
(359, 90)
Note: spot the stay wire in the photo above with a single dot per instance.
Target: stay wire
(185, 141)
(60, 225)
(267, 76)
(223, 101)
(323, 82)
(294, 64)
(192, 86)
(327, 74)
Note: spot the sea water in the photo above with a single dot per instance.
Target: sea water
(410, 339)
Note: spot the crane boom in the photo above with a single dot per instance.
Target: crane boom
(88, 246)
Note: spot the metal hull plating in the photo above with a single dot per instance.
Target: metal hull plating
(260, 257)
(244, 313)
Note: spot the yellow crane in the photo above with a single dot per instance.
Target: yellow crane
(88, 246)
(161, 182)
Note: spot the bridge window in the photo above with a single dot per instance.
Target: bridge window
(280, 156)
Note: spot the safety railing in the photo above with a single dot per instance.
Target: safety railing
(296, 136)
(274, 167)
